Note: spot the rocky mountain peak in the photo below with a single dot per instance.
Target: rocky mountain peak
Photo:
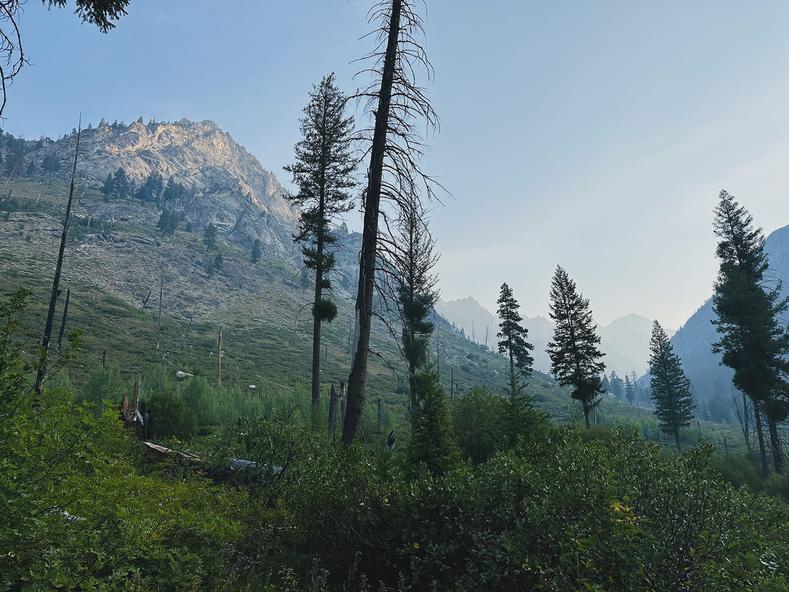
(225, 184)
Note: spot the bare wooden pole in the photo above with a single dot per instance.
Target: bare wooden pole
(63, 320)
(46, 336)
(159, 316)
(219, 360)
(333, 412)
(145, 300)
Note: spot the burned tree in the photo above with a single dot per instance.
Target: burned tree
(53, 298)
(397, 105)
(323, 174)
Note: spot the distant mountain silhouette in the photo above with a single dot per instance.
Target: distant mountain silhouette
(625, 341)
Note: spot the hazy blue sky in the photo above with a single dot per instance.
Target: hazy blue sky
(595, 135)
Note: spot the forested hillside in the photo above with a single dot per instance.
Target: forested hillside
(218, 377)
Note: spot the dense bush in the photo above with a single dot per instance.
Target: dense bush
(75, 514)
(601, 512)
(534, 508)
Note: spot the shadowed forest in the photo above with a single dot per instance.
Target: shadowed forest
(211, 380)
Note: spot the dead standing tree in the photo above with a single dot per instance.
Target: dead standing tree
(53, 298)
(398, 105)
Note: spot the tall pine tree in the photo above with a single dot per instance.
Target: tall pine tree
(413, 259)
(323, 174)
(752, 341)
(576, 359)
(513, 341)
(630, 390)
(670, 387)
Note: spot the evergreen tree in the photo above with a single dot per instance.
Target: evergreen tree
(323, 175)
(576, 359)
(670, 387)
(173, 192)
(117, 185)
(432, 443)
(630, 390)
(50, 163)
(255, 255)
(412, 260)
(151, 189)
(512, 341)
(752, 341)
(121, 185)
(107, 188)
(605, 385)
(168, 222)
(617, 386)
(209, 236)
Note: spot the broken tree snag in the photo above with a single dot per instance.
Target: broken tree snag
(104, 359)
(380, 418)
(342, 401)
(63, 321)
(46, 336)
(333, 412)
(145, 300)
(219, 360)
(159, 316)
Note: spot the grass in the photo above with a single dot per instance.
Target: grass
(262, 310)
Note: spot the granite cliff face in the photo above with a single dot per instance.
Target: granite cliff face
(226, 185)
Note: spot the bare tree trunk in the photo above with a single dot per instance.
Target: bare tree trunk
(746, 422)
(219, 360)
(46, 336)
(63, 320)
(357, 379)
(333, 412)
(380, 418)
(159, 316)
(757, 416)
(775, 445)
(103, 359)
(316, 339)
(145, 300)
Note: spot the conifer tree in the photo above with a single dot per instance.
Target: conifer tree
(412, 259)
(323, 173)
(107, 187)
(255, 255)
(121, 185)
(630, 390)
(209, 236)
(432, 443)
(752, 341)
(617, 386)
(513, 341)
(151, 189)
(605, 385)
(576, 359)
(670, 388)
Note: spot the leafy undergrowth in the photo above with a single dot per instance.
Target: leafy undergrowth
(532, 506)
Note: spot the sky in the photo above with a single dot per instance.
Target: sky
(592, 135)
